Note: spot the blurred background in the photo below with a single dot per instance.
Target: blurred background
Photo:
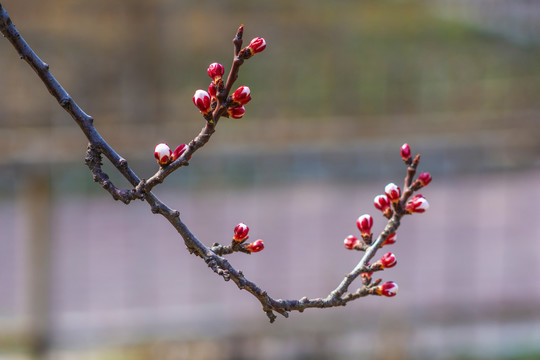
(341, 86)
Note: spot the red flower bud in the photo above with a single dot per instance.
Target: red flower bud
(350, 242)
(424, 178)
(242, 95)
(162, 153)
(236, 112)
(406, 152)
(417, 204)
(255, 246)
(215, 71)
(391, 239)
(179, 151)
(388, 260)
(212, 90)
(201, 99)
(393, 192)
(241, 232)
(382, 203)
(364, 223)
(256, 46)
(389, 289)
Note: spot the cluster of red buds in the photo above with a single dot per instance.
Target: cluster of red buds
(165, 156)
(241, 232)
(218, 95)
(206, 101)
(392, 202)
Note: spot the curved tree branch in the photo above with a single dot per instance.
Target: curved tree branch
(213, 256)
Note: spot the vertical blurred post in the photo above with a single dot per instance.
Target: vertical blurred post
(36, 211)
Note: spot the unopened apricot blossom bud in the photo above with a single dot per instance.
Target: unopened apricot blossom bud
(364, 223)
(382, 203)
(417, 204)
(162, 153)
(391, 239)
(255, 246)
(215, 71)
(393, 192)
(242, 95)
(406, 152)
(351, 241)
(241, 232)
(179, 151)
(202, 101)
(389, 289)
(424, 178)
(388, 260)
(212, 90)
(236, 112)
(256, 46)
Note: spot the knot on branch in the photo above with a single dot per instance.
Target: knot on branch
(213, 264)
(94, 162)
(65, 101)
(140, 190)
